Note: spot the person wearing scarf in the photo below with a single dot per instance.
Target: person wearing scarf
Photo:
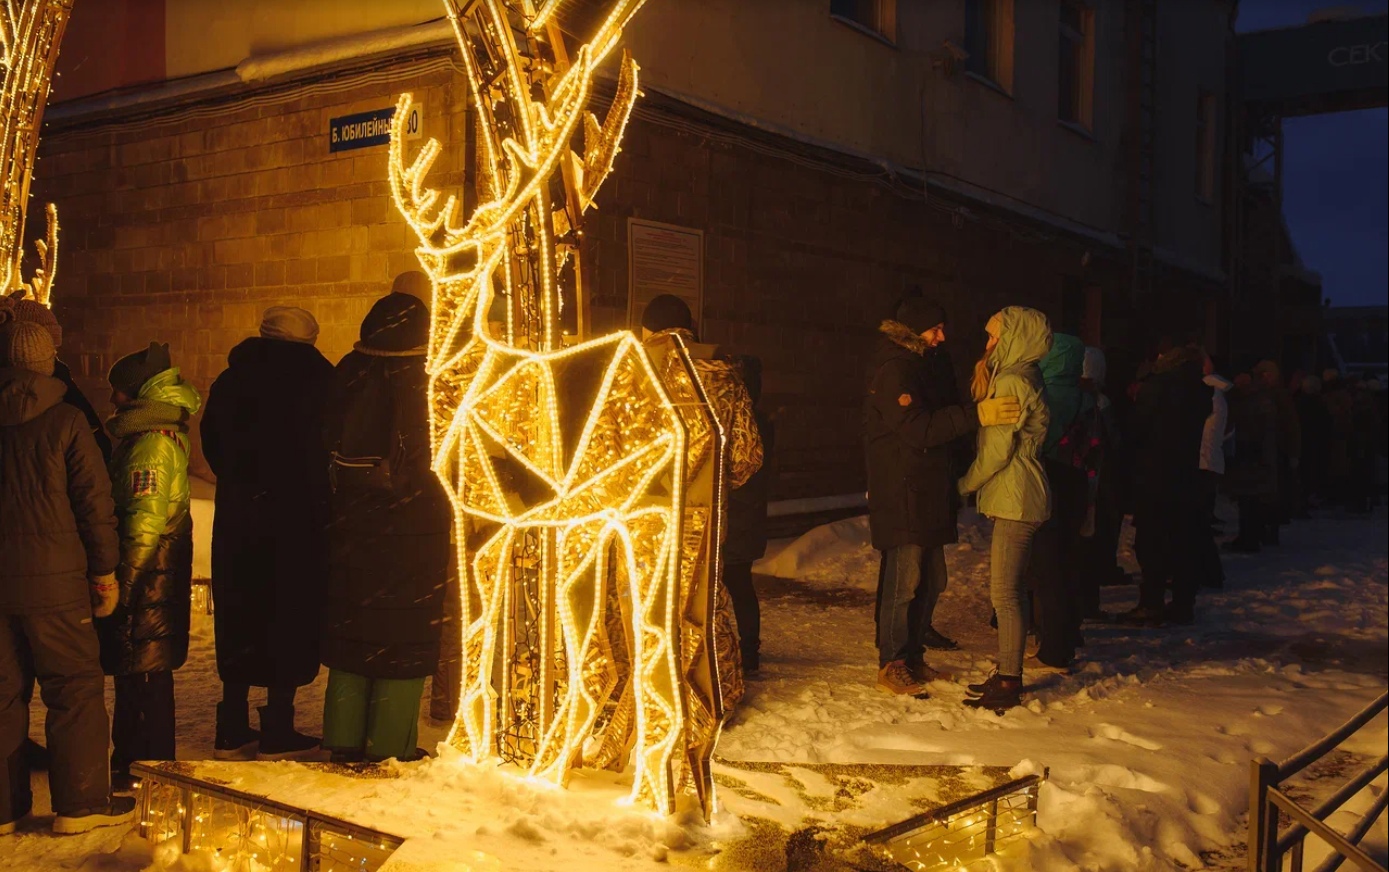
(146, 638)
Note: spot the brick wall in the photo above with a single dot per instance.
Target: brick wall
(185, 229)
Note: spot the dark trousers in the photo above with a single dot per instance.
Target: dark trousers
(240, 695)
(910, 581)
(1210, 571)
(142, 727)
(1056, 571)
(66, 661)
(1168, 546)
(1101, 564)
(737, 577)
(1258, 523)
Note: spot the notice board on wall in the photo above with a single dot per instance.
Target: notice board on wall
(663, 259)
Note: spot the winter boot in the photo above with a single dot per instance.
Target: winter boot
(896, 678)
(978, 689)
(120, 810)
(998, 694)
(278, 738)
(1145, 616)
(235, 738)
(938, 641)
(924, 674)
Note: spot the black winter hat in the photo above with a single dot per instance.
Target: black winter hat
(130, 373)
(918, 313)
(396, 322)
(667, 312)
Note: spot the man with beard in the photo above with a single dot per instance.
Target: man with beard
(912, 414)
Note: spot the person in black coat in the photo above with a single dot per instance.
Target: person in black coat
(911, 415)
(263, 437)
(1169, 418)
(389, 549)
(746, 541)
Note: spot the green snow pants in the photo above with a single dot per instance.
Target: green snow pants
(376, 716)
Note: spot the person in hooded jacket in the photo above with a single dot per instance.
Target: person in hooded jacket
(37, 313)
(1072, 443)
(1213, 438)
(58, 528)
(1251, 475)
(15, 309)
(1314, 422)
(146, 639)
(1169, 419)
(1100, 549)
(666, 318)
(263, 438)
(388, 539)
(912, 414)
(1012, 484)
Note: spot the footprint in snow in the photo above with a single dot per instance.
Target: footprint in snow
(1269, 710)
(1118, 734)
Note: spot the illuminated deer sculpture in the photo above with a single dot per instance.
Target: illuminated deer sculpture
(584, 478)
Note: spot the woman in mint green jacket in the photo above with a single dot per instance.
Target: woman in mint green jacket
(1007, 474)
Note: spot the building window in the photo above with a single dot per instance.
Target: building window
(1205, 146)
(875, 17)
(1076, 65)
(989, 41)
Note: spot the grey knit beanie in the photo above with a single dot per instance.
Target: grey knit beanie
(28, 345)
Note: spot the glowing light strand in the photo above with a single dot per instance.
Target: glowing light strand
(30, 32)
(573, 504)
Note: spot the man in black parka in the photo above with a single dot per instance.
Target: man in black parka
(263, 437)
(912, 414)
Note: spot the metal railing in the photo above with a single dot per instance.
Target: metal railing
(1267, 848)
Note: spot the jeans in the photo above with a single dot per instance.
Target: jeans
(1009, 554)
(910, 581)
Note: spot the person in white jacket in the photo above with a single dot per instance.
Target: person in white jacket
(1213, 440)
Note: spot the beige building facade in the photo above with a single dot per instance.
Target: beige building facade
(811, 158)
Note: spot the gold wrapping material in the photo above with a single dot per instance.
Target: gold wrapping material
(587, 540)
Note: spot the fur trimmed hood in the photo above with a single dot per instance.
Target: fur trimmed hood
(902, 335)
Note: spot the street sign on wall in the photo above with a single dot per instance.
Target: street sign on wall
(365, 129)
(1326, 66)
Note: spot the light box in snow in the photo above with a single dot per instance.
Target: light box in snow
(961, 832)
(182, 813)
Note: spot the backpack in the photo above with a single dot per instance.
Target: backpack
(370, 451)
(1082, 447)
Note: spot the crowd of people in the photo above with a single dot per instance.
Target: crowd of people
(1059, 462)
(331, 545)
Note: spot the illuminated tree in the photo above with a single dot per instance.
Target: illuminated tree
(30, 31)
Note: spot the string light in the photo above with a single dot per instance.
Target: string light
(30, 32)
(584, 545)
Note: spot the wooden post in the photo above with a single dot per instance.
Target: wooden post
(991, 827)
(1263, 816)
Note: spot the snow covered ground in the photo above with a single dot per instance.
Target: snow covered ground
(1148, 742)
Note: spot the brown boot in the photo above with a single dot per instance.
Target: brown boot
(897, 678)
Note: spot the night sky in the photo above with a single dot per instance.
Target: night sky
(1335, 179)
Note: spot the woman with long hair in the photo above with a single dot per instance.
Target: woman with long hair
(1007, 474)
